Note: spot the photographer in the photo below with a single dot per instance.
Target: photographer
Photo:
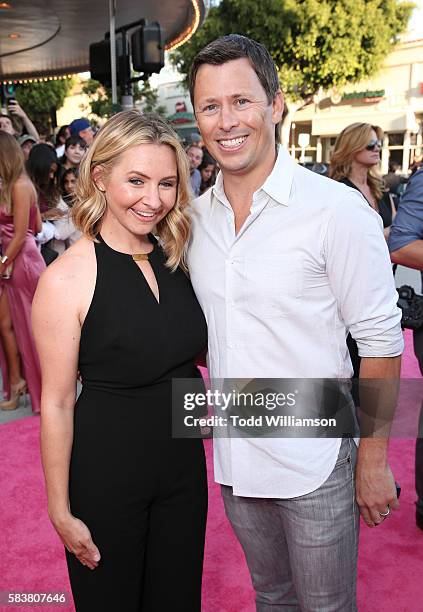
(406, 245)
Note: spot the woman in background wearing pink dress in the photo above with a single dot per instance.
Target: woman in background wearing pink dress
(21, 263)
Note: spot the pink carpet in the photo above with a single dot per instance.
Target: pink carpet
(32, 558)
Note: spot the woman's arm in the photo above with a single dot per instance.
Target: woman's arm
(21, 198)
(56, 326)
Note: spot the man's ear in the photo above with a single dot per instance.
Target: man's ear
(278, 105)
(97, 176)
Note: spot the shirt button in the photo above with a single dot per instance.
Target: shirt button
(231, 345)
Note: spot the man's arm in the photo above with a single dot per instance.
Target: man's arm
(360, 275)
(406, 236)
(375, 484)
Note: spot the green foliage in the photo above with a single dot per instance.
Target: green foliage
(314, 43)
(38, 99)
(101, 98)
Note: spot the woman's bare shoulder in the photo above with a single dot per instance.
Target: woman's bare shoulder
(74, 270)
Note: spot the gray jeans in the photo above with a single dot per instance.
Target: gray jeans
(302, 552)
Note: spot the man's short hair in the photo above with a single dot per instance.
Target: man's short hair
(233, 47)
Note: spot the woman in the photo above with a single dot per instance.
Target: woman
(207, 170)
(68, 184)
(21, 263)
(75, 148)
(42, 167)
(128, 501)
(354, 161)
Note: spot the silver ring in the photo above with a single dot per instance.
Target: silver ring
(386, 513)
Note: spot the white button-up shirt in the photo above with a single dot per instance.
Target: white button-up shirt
(309, 264)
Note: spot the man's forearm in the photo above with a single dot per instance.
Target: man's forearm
(379, 386)
(410, 255)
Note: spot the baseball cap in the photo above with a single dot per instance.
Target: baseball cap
(78, 125)
(23, 139)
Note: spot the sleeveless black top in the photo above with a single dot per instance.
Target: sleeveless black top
(131, 346)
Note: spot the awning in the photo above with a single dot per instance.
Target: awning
(330, 124)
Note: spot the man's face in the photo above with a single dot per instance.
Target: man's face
(195, 156)
(236, 121)
(26, 148)
(7, 126)
(87, 135)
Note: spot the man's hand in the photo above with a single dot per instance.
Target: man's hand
(375, 485)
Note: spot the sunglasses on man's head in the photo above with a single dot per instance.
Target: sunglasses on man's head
(373, 144)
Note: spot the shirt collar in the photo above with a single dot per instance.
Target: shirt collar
(278, 184)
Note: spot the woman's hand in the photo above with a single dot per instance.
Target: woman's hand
(76, 537)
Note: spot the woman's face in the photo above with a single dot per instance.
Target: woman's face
(370, 156)
(74, 153)
(141, 188)
(69, 183)
(53, 170)
(206, 172)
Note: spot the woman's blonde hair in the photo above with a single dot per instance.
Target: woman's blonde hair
(123, 131)
(11, 167)
(351, 140)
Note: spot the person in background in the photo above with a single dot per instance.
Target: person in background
(195, 156)
(405, 243)
(354, 159)
(67, 185)
(62, 135)
(21, 263)
(17, 120)
(207, 170)
(27, 142)
(42, 167)
(393, 179)
(354, 162)
(82, 127)
(75, 148)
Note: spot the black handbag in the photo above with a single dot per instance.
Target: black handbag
(49, 254)
(411, 304)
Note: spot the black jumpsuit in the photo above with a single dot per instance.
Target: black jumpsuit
(142, 494)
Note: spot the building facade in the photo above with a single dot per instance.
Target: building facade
(392, 99)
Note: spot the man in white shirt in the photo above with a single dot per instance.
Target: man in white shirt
(284, 263)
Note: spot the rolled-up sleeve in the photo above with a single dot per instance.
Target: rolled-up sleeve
(407, 226)
(360, 275)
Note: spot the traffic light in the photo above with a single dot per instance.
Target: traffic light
(147, 48)
(100, 61)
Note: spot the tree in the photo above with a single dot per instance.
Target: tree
(39, 99)
(101, 98)
(315, 44)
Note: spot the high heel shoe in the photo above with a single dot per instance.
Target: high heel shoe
(16, 392)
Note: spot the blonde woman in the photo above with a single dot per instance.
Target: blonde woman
(20, 267)
(355, 161)
(128, 501)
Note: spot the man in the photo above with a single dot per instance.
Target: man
(27, 142)
(280, 262)
(17, 115)
(406, 246)
(195, 156)
(82, 127)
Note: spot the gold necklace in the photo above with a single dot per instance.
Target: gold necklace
(140, 256)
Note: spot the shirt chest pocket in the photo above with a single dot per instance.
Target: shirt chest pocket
(273, 287)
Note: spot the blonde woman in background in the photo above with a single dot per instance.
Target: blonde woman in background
(354, 162)
(127, 500)
(20, 267)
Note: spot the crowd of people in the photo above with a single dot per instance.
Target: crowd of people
(37, 185)
(123, 314)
